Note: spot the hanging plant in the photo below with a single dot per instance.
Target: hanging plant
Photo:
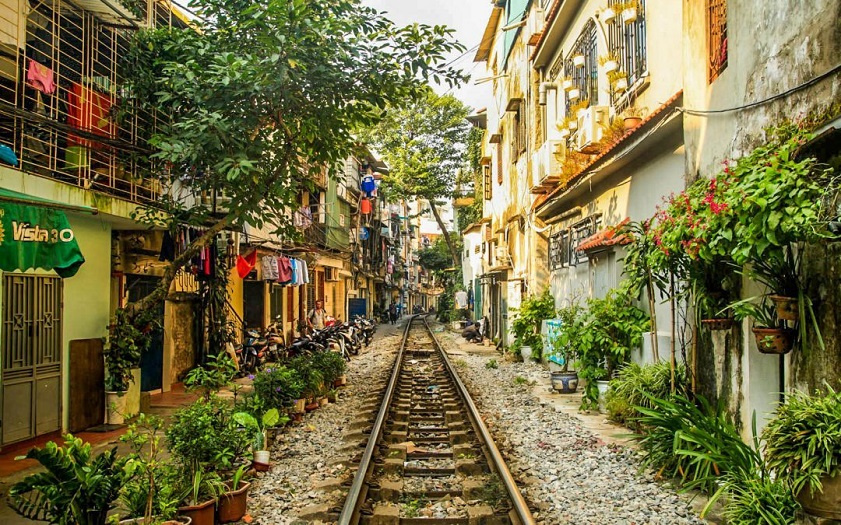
(609, 63)
(578, 60)
(574, 94)
(608, 15)
(567, 83)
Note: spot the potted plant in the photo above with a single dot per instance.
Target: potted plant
(574, 94)
(612, 327)
(566, 83)
(608, 15)
(311, 379)
(209, 378)
(620, 82)
(771, 337)
(628, 11)
(122, 351)
(578, 60)
(234, 500)
(632, 117)
(204, 436)
(75, 487)
(257, 427)
(564, 347)
(330, 365)
(332, 395)
(279, 386)
(198, 501)
(609, 63)
(803, 446)
(527, 322)
(149, 495)
(714, 287)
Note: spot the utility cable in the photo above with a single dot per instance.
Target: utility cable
(784, 94)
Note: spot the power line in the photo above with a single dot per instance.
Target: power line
(784, 94)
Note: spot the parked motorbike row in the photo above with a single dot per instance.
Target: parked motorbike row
(270, 346)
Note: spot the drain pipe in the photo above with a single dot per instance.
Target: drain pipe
(541, 91)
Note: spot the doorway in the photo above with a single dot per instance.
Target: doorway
(32, 348)
(152, 359)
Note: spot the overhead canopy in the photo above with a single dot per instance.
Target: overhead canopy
(35, 234)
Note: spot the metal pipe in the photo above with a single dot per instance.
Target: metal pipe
(350, 509)
(520, 506)
(541, 91)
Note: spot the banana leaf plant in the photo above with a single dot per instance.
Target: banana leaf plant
(76, 488)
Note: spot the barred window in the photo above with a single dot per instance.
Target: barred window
(717, 37)
(487, 182)
(626, 44)
(518, 135)
(562, 245)
(584, 78)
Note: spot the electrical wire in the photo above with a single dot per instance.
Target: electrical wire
(784, 94)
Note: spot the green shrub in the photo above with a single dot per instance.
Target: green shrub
(203, 436)
(331, 365)
(612, 327)
(312, 380)
(803, 441)
(492, 364)
(528, 319)
(752, 500)
(636, 385)
(693, 443)
(278, 386)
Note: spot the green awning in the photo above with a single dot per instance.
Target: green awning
(34, 233)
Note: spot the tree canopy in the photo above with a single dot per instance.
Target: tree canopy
(262, 94)
(424, 144)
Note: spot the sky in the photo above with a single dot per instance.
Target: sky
(467, 17)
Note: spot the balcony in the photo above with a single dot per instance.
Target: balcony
(67, 128)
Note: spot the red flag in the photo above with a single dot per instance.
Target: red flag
(246, 264)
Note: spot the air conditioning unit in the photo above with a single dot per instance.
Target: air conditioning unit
(592, 122)
(331, 274)
(501, 255)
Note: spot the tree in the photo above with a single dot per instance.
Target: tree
(261, 96)
(424, 143)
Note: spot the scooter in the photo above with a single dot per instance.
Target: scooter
(252, 352)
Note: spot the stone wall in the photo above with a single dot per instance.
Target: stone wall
(181, 336)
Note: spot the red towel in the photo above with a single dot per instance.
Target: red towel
(246, 264)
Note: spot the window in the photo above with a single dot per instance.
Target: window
(499, 162)
(717, 36)
(626, 43)
(562, 245)
(584, 78)
(518, 135)
(487, 185)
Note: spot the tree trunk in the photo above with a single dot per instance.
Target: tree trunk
(444, 232)
(160, 293)
(672, 303)
(655, 345)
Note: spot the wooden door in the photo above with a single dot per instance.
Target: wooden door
(87, 384)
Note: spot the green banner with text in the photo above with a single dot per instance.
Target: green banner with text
(36, 237)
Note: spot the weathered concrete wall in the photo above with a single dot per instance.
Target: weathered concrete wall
(811, 366)
(773, 46)
(179, 338)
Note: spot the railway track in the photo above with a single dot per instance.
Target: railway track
(430, 459)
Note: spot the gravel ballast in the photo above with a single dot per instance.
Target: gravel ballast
(308, 456)
(565, 472)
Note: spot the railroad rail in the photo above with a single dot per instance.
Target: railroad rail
(429, 458)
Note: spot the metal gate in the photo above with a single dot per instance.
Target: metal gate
(31, 350)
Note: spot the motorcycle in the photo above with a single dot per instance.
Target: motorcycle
(251, 353)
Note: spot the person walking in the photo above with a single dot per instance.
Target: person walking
(315, 319)
(392, 313)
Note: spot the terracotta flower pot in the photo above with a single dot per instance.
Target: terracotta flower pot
(323, 402)
(232, 504)
(787, 307)
(725, 323)
(826, 504)
(631, 122)
(774, 340)
(180, 520)
(298, 406)
(312, 406)
(201, 514)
